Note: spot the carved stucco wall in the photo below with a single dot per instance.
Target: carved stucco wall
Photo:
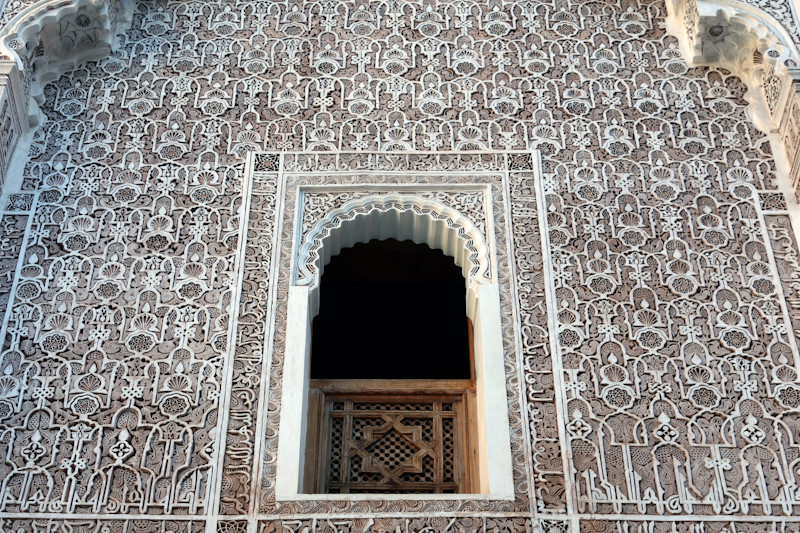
(657, 364)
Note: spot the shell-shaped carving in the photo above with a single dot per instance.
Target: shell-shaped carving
(647, 318)
(178, 383)
(662, 174)
(90, 383)
(786, 374)
(160, 223)
(81, 223)
(739, 174)
(59, 322)
(565, 316)
(129, 176)
(679, 267)
(554, 219)
(615, 374)
(730, 318)
(585, 174)
(630, 220)
(8, 387)
(194, 270)
(143, 322)
(758, 269)
(698, 374)
(111, 271)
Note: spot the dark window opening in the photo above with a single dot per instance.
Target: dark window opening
(391, 396)
(391, 310)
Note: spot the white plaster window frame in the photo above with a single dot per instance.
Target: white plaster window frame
(495, 477)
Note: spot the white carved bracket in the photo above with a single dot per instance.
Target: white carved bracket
(745, 40)
(753, 46)
(52, 37)
(40, 44)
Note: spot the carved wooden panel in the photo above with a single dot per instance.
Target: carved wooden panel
(393, 445)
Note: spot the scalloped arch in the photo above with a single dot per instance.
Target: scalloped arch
(394, 216)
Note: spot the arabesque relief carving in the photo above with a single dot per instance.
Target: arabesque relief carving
(648, 253)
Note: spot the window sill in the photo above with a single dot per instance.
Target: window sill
(394, 497)
(396, 386)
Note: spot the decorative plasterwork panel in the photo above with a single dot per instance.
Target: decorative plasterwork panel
(470, 185)
(124, 294)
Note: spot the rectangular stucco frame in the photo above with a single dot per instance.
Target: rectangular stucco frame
(504, 475)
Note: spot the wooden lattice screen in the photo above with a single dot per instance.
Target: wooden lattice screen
(393, 445)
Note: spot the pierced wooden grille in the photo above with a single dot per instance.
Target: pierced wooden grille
(393, 445)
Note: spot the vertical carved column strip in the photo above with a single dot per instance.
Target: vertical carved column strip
(228, 364)
(273, 162)
(782, 239)
(790, 132)
(249, 339)
(14, 222)
(550, 489)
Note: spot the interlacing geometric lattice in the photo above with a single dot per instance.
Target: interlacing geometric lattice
(142, 345)
(392, 446)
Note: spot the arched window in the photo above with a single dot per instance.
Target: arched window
(471, 406)
(391, 374)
